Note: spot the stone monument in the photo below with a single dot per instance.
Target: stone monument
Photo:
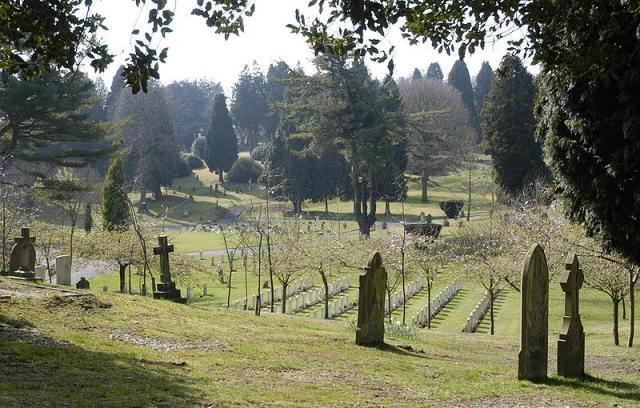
(370, 328)
(22, 259)
(534, 318)
(166, 289)
(63, 270)
(571, 339)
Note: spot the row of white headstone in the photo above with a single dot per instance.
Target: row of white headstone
(316, 296)
(295, 288)
(422, 318)
(336, 307)
(480, 311)
(397, 299)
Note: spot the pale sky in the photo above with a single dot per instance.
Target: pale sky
(195, 51)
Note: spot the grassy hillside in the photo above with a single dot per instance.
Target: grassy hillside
(122, 351)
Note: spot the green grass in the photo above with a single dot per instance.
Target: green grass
(81, 353)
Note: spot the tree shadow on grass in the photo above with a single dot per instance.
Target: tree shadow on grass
(402, 350)
(40, 371)
(612, 388)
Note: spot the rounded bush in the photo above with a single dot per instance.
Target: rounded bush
(245, 169)
(259, 153)
(193, 161)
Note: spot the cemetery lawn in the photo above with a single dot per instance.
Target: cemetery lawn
(115, 350)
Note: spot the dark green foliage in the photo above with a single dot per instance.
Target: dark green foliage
(193, 161)
(245, 170)
(44, 122)
(249, 106)
(483, 85)
(417, 75)
(153, 158)
(589, 113)
(460, 80)
(434, 72)
(199, 147)
(222, 144)
(277, 75)
(189, 104)
(260, 152)
(115, 201)
(88, 218)
(509, 127)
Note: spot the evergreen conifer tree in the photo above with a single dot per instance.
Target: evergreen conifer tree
(460, 80)
(434, 72)
(417, 75)
(483, 85)
(222, 144)
(115, 202)
(509, 127)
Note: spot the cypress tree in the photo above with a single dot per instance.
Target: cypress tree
(417, 75)
(434, 72)
(509, 126)
(88, 218)
(222, 144)
(460, 80)
(483, 85)
(115, 209)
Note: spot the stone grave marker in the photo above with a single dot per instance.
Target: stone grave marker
(40, 272)
(370, 326)
(83, 284)
(63, 270)
(534, 318)
(571, 339)
(22, 259)
(167, 288)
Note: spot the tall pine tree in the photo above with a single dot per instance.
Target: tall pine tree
(417, 75)
(509, 127)
(460, 80)
(115, 208)
(222, 144)
(434, 72)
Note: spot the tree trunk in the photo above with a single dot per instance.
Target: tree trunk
(624, 309)
(616, 336)
(325, 283)
(365, 213)
(632, 307)
(284, 298)
(404, 290)
(229, 283)
(221, 176)
(122, 269)
(424, 197)
(326, 206)
(491, 312)
(428, 305)
(387, 207)
(389, 301)
(469, 199)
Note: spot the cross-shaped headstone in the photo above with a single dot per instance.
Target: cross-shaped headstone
(163, 249)
(23, 253)
(571, 282)
(571, 339)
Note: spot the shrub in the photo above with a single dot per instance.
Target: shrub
(245, 169)
(193, 161)
(259, 153)
(182, 168)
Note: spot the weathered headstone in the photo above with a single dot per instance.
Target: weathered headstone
(205, 289)
(370, 327)
(571, 340)
(22, 259)
(83, 284)
(40, 272)
(166, 289)
(63, 270)
(534, 318)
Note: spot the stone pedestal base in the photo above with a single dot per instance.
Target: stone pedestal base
(168, 291)
(24, 275)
